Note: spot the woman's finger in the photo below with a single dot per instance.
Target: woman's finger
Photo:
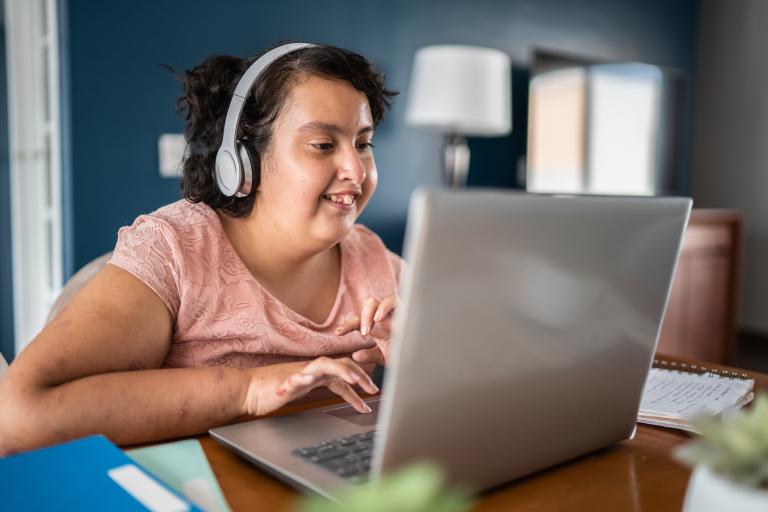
(350, 324)
(344, 369)
(346, 392)
(363, 379)
(366, 315)
(385, 308)
(369, 355)
(298, 385)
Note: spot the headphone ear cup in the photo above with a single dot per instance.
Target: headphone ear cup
(249, 161)
(228, 173)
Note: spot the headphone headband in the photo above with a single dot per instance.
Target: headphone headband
(232, 173)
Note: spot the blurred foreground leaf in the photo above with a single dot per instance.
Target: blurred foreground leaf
(734, 446)
(416, 488)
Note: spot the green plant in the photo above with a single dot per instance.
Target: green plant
(735, 446)
(416, 488)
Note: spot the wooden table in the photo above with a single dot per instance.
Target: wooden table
(635, 475)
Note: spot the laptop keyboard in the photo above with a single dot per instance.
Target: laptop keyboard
(347, 457)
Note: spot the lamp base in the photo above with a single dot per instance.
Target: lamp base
(456, 165)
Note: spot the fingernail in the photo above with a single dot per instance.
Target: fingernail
(364, 330)
(367, 408)
(377, 316)
(307, 377)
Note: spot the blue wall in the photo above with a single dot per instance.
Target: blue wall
(6, 279)
(122, 100)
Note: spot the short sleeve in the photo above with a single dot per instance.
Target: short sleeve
(148, 249)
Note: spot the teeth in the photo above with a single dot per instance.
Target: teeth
(346, 199)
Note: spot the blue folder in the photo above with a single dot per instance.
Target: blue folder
(85, 474)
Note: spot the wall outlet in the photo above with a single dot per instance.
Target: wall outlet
(171, 150)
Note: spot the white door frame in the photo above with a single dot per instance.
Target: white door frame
(32, 54)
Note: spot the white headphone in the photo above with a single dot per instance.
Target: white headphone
(234, 165)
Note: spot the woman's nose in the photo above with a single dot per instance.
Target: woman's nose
(352, 167)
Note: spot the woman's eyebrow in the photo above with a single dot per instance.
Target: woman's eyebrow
(329, 127)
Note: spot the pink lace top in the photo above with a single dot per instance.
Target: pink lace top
(222, 316)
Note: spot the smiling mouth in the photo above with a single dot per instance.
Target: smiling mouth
(341, 199)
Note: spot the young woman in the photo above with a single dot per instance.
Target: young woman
(214, 307)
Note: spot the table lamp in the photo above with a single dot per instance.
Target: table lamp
(460, 91)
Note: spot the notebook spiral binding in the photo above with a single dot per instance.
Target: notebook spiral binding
(692, 368)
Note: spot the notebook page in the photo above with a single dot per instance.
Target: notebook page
(675, 394)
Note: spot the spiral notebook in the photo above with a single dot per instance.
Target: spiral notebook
(677, 393)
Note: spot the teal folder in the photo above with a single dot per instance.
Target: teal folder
(184, 467)
(86, 474)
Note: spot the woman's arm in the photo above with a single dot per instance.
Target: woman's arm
(96, 369)
(79, 375)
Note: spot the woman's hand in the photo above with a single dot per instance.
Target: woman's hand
(374, 310)
(272, 387)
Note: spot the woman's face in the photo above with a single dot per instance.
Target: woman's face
(318, 173)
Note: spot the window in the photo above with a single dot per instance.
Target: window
(34, 124)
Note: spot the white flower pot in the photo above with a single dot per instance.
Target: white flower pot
(709, 492)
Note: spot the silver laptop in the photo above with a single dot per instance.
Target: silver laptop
(528, 328)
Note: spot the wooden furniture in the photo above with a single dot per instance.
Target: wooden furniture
(700, 322)
(635, 475)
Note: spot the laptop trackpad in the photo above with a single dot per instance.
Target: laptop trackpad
(350, 414)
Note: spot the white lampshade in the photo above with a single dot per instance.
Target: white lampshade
(461, 89)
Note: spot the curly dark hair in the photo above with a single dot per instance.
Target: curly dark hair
(208, 88)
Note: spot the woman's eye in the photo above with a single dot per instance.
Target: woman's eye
(327, 146)
(365, 145)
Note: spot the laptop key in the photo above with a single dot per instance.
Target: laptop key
(334, 464)
(348, 471)
(314, 448)
(347, 457)
(305, 452)
(327, 455)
